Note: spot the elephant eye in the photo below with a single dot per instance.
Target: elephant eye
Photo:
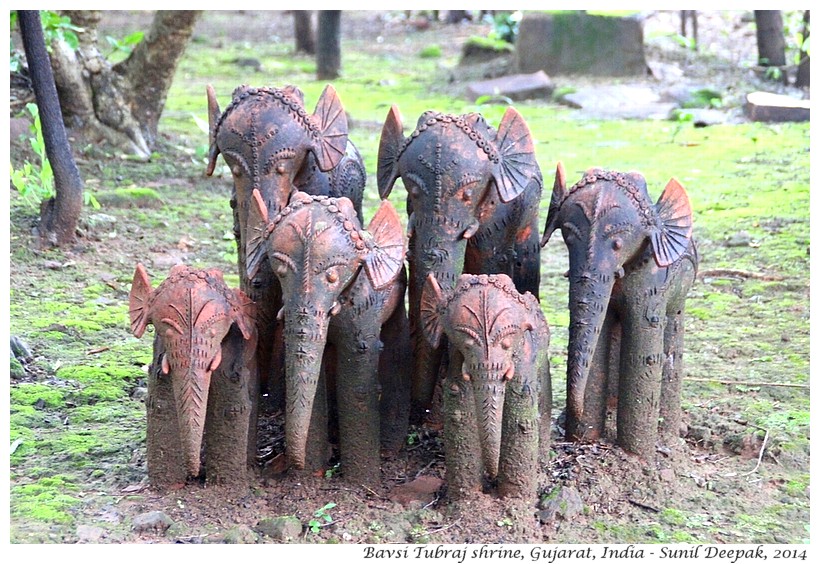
(506, 343)
(332, 276)
(617, 244)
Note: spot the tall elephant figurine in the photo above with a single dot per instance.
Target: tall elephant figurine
(341, 285)
(497, 394)
(273, 145)
(631, 265)
(473, 195)
(202, 385)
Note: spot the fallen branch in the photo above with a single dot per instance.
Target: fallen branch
(744, 383)
(644, 506)
(762, 449)
(731, 273)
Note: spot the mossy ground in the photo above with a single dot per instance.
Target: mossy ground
(80, 435)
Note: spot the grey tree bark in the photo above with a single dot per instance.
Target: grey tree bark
(58, 215)
(120, 103)
(303, 31)
(771, 43)
(803, 79)
(329, 45)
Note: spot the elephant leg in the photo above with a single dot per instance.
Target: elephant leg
(670, 410)
(462, 447)
(164, 454)
(228, 414)
(358, 399)
(544, 405)
(518, 463)
(591, 425)
(640, 383)
(394, 377)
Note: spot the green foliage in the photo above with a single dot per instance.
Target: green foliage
(430, 52)
(704, 98)
(505, 26)
(59, 28)
(321, 517)
(35, 181)
(125, 45)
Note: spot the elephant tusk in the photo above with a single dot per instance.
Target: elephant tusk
(335, 308)
(281, 314)
(471, 230)
(620, 272)
(465, 377)
(508, 375)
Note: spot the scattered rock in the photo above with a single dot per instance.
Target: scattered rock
(101, 222)
(574, 42)
(52, 264)
(152, 522)
(765, 106)
(241, 534)
(20, 349)
(514, 87)
(739, 239)
(280, 529)
(16, 369)
(565, 505)
(481, 50)
(667, 475)
(421, 490)
(19, 128)
(89, 534)
(139, 394)
(619, 101)
(131, 197)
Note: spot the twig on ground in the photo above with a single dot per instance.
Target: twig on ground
(731, 273)
(644, 506)
(762, 449)
(746, 383)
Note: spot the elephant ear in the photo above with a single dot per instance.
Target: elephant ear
(432, 309)
(255, 235)
(213, 117)
(517, 164)
(559, 194)
(141, 292)
(385, 259)
(670, 238)
(243, 313)
(329, 116)
(390, 144)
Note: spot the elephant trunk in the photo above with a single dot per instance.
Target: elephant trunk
(588, 301)
(191, 395)
(489, 384)
(304, 348)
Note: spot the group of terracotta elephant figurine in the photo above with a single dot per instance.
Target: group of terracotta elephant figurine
(320, 322)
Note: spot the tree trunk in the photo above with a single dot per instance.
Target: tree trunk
(121, 104)
(803, 69)
(58, 215)
(329, 48)
(456, 16)
(771, 44)
(149, 70)
(303, 31)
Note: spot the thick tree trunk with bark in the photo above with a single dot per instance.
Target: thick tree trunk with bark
(303, 31)
(58, 215)
(329, 47)
(771, 43)
(803, 69)
(121, 104)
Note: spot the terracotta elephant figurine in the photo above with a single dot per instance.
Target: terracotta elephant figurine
(631, 264)
(273, 145)
(497, 394)
(473, 195)
(202, 385)
(343, 287)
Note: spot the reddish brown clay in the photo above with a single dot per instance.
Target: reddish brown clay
(202, 386)
(272, 145)
(497, 393)
(342, 287)
(473, 195)
(631, 264)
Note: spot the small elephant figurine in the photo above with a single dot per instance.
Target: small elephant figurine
(497, 394)
(631, 264)
(472, 201)
(272, 145)
(202, 385)
(342, 288)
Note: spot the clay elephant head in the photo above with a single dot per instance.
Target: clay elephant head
(192, 311)
(330, 269)
(273, 145)
(473, 196)
(630, 263)
(501, 338)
